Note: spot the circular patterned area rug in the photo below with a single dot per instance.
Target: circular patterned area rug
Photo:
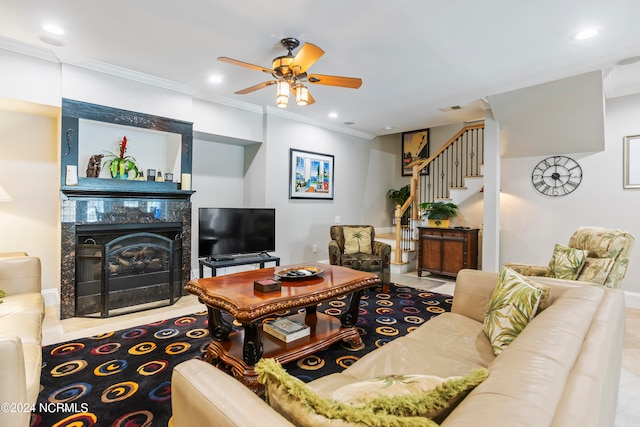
(123, 378)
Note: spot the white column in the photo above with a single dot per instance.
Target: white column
(491, 220)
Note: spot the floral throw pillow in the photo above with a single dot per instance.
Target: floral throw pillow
(512, 305)
(357, 240)
(566, 263)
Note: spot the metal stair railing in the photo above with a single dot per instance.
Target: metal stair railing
(460, 157)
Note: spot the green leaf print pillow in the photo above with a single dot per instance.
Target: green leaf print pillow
(513, 304)
(566, 263)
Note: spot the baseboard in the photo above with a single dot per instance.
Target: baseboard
(632, 299)
(51, 297)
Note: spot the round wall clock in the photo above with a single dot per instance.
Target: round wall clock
(556, 176)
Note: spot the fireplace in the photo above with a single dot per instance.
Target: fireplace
(145, 226)
(120, 269)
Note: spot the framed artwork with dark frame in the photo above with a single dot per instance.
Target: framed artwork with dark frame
(632, 161)
(310, 175)
(415, 147)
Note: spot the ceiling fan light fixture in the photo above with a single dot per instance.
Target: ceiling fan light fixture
(302, 95)
(282, 94)
(281, 66)
(290, 74)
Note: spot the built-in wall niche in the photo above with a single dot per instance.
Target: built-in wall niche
(155, 142)
(151, 149)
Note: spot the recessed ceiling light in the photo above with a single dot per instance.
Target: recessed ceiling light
(450, 108)
(585, 34)
(51, 41)
(53, 29)
(215, 79)
(388, 127)
(333, 114)
(629, 61)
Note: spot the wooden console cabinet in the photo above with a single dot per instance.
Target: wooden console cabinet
(446, 251)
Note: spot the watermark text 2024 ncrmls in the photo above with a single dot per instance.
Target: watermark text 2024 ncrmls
(63, 408)
(46, 407)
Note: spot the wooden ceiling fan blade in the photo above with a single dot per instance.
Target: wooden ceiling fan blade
(311, 100)
(255, 87)
(349, 82)
(244, 64)
(306, 56)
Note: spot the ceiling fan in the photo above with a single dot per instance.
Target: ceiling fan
(290, 73)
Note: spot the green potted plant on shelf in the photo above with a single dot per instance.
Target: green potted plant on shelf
(122, 167)
(439, 214)
(399, 197)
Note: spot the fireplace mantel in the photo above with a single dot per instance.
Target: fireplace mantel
(110, 188)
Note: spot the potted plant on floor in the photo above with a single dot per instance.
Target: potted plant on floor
(399, 197)
(439, 214)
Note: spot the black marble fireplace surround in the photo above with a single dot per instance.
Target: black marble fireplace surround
(120, 205)
(127, 214)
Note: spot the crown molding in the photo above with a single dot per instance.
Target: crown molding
(125, 73)
(28, 49)
(319, 123)
(229, 102)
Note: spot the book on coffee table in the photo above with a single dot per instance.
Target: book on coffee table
(286, 329)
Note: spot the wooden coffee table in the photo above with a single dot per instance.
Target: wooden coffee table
(235, 294)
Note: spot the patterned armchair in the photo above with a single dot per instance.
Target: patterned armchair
(607, 257)
(354, 246)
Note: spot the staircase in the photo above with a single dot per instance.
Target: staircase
(408, 255)
(452, 174)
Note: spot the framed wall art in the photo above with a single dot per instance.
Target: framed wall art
(310, 175)
(415, 147)
(631, 164)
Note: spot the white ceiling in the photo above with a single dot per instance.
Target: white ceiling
(414, 56)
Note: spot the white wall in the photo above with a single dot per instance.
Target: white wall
(29, 79)
(218, 181)
(532, 223)
(361, 180)
(104, 89)
(565, 115)
(29, 172)
(217, 119)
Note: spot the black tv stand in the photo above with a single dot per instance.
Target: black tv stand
(231, 261)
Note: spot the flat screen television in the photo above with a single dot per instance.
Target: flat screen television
(224, 232)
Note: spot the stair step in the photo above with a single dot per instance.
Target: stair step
(386, 236)
(402, 268)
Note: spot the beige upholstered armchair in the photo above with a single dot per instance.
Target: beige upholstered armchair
(354, 246)
(607, 256)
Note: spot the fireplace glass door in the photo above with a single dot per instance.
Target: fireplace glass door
(128, 273)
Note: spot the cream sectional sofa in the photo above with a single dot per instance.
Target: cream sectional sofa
(562, 370)
(21, 316)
